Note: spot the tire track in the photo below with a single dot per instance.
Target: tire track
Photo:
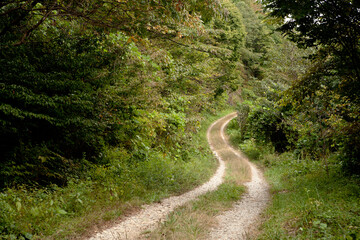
(243, 219)
(151, 215)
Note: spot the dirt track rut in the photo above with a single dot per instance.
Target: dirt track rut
(232, 225)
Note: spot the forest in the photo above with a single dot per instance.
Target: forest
(104, 106)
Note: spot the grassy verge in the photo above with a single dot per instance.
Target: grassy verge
(194, 219)
(110, 192)
(307, 201)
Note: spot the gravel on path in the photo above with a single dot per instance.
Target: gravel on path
(151, 215)
(242, 220)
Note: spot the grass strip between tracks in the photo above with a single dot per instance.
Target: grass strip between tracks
(196, 218)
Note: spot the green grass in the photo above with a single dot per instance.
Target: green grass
(194, 219)
(308, 202)
(109, 192)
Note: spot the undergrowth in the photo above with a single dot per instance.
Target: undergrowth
(106, 193)
(309, 200)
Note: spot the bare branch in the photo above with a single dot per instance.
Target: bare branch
(28, 32)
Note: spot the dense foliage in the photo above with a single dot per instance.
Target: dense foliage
(72, 84)
(94, 112)
(300, 121)
(327, 96)
(312, 107)
(100, 100)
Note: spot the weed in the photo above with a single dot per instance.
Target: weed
(309, 203)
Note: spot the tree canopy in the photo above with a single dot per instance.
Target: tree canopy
(332, 26)
(129, 16)
(80, 77)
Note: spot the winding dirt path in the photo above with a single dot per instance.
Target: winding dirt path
(243, 219)
(148, 218)
(232, 225)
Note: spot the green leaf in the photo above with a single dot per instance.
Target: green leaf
(61, 211)
(18, 206)
(28, 235)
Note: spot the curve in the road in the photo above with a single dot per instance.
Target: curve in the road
(243, 218)
(148, 218)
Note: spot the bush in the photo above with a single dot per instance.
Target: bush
(350, 152)
(267, 124)
(251, 149)
(51, 101)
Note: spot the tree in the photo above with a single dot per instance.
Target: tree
(65, 83)
(330, 89)
(331, 26)
(129, 16)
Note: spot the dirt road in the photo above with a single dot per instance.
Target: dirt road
(232, 225)
(242, 219)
